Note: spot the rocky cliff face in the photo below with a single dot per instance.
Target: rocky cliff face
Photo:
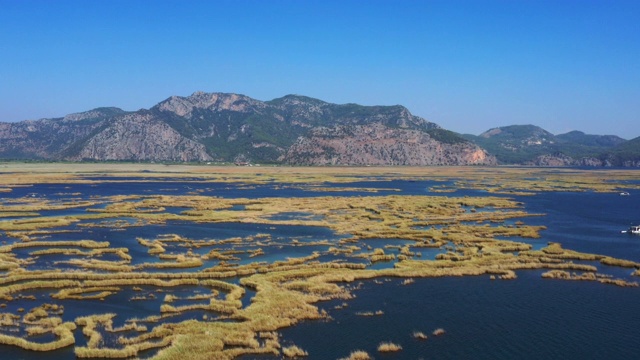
(560, 160)
(377, 144)
(42, 139)
(185, 106)
(140, 137)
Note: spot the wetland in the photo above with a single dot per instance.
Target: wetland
(201, 262)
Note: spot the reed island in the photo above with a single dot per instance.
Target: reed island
(211, 262)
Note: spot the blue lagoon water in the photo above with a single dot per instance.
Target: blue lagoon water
(525, 318)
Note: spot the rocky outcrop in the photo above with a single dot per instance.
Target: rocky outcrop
(631, 163)
(41, 139)
(184, 106)
(140, 137)
(560, 160)
(552, 160)
(591, 162)
(377, 144)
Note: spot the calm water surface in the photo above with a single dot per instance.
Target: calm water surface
(525, 318)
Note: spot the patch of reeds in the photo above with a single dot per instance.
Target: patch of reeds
(121, 252)
(181, 262)
(155, 246)
(95, 264)
(286, 291)
(408, 281)
(80, 293)
(357, 355)
(590, 276)
(293, 351)
(6, 291)
(36, 223)
(419, 335)
(8, 319)
(81, 243)
(619, 262)
(389, 347)
(63, 332)
(370, 313)
(12, 214)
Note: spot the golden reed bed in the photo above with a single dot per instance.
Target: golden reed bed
(469, 233)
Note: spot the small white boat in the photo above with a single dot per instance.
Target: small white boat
(624, 193)
(634, 229)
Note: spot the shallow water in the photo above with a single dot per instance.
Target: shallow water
(525, 318)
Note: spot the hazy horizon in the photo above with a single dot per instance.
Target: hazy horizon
(468, 66)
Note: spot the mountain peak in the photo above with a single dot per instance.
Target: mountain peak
(591, 140)
(295, 99)
(184, 106)
(574, 133)
(97, 113)
(517, 131)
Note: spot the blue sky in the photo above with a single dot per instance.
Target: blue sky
(467, 65)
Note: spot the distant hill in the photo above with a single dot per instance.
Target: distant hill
(207, 127)
(596, 141)
(532, 145)
(515, 144)
(626, 154)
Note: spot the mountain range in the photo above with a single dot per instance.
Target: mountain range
(294, 130)
(532, 145)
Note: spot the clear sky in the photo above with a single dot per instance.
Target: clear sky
(466, 65)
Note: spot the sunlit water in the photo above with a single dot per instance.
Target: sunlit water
(525, 318)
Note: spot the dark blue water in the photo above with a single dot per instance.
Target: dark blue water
(525, 318)
(588, 222)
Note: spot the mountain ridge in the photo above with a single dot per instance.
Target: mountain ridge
(234, 127)
(296, 130)
(532, 145)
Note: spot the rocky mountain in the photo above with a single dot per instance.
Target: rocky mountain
(138, 136)
(293, 130)
(532, 145)
(46, 138)
(381, 145)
